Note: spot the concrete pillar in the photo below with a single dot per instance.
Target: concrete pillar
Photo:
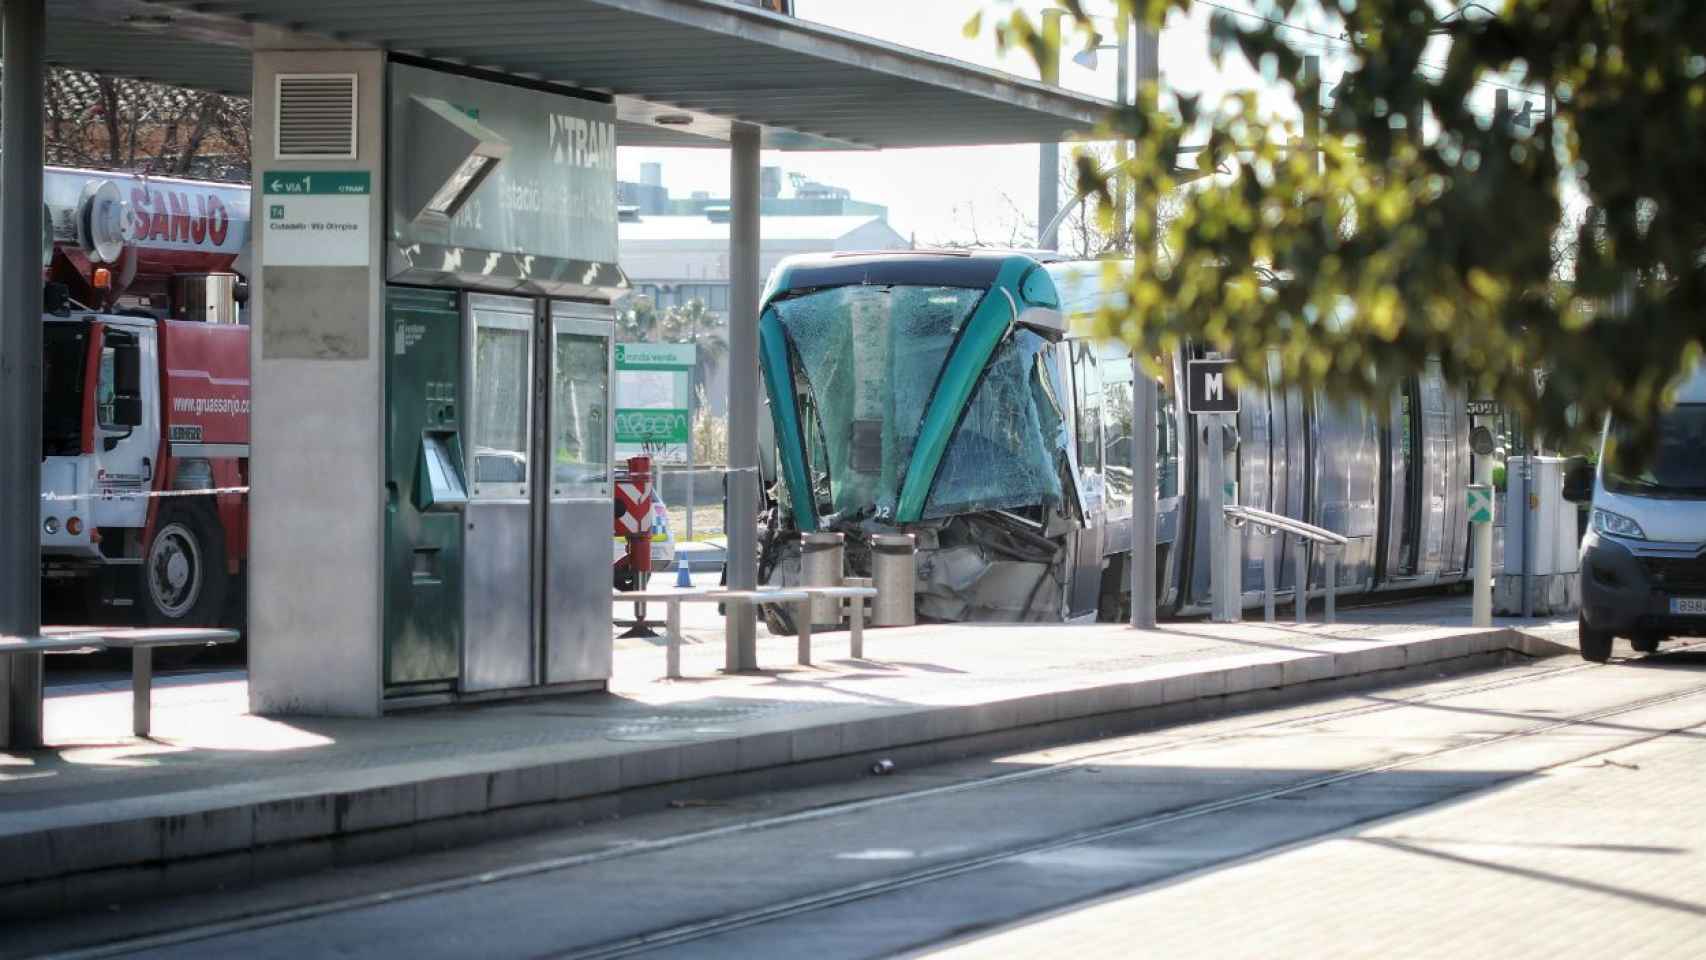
(25, 28)
(742, 520)
(317, 478)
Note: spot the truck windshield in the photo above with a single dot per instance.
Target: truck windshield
(866, 360)
(62, 381)
(1678, 466)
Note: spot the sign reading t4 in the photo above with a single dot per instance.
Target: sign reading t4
(1206, 388)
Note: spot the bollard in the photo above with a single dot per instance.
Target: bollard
(1332, 580)
(822, 556)
(1270, 559)
(894, 572)
(1302, 579)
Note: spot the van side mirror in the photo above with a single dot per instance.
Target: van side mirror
(1578, 481)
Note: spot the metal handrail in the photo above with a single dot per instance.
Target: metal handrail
(1238, 515)
(1269, 524)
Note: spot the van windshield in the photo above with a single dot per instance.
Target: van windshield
(1678, 467)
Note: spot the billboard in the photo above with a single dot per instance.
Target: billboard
(500, 187)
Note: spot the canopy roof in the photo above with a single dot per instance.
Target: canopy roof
(680, 71)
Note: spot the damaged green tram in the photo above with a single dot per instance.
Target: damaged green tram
(943, 394)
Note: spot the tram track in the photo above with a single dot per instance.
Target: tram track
(264, 919)
(690, 932)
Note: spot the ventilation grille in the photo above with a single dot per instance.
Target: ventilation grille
(316, 115)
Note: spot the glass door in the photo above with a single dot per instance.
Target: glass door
(577, 530)
(499, 651)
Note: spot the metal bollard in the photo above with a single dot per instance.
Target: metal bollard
(821, 565)
(894, 572)
(1270, 560)
(1302, 580)
(1332, 580)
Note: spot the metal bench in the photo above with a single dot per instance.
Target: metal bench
(1269, 524)
(855, 613)
(672, 600)
(140, 642)
(800, 597)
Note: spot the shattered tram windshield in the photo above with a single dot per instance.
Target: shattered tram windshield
(866, 359)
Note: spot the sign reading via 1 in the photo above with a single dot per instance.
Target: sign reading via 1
(318, 219)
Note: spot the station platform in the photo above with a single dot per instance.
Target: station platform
(219, 797)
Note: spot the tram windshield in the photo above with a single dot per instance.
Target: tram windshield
(866, 362)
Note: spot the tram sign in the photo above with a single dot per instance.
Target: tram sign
(1206, 388)
(1482, 408)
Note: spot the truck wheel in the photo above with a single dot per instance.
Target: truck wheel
(184, 580)
(1646, 641)
(1596, 644)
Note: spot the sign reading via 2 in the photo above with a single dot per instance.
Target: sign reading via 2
(1206, 388)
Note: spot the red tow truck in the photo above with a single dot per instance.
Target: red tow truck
(145, 395)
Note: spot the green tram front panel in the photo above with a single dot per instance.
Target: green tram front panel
(425, 489)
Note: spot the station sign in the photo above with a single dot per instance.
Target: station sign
(653, 399)
(1206, 389)
(319, 218)
(501, 187)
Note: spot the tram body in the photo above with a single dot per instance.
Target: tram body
(960, 396)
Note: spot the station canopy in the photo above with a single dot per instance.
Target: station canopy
(681, 71)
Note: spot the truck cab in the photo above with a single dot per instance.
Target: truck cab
(1643, 559)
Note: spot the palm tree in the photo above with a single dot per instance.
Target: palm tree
(692, 323)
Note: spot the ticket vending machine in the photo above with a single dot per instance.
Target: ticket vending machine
(426, 491)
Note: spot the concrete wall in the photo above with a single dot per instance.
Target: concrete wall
(316, 506)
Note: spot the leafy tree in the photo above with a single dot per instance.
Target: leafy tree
(1404, 220)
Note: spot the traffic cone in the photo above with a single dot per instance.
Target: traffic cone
(683, 578)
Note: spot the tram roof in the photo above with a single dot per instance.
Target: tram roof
(711, 63)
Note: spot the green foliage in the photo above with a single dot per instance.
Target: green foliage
(1421, 225)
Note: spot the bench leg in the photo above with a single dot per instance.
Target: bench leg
(856, 607)
(803, 614)
(673, 628)
(141, 689)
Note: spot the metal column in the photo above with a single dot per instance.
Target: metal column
(1048, 154)
(25, 36)
(1144, 399)
(742, 521)
(1143, 484)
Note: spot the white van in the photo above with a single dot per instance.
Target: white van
(1644, 555)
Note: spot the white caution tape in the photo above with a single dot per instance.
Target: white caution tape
(139, 494)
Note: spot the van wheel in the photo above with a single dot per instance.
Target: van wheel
(1646, 641)
(1596, 644)
(184, 580)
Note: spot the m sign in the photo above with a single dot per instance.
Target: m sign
(1206, 388)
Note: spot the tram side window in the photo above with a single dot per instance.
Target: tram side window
(1087, 394)
(1166, 435)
